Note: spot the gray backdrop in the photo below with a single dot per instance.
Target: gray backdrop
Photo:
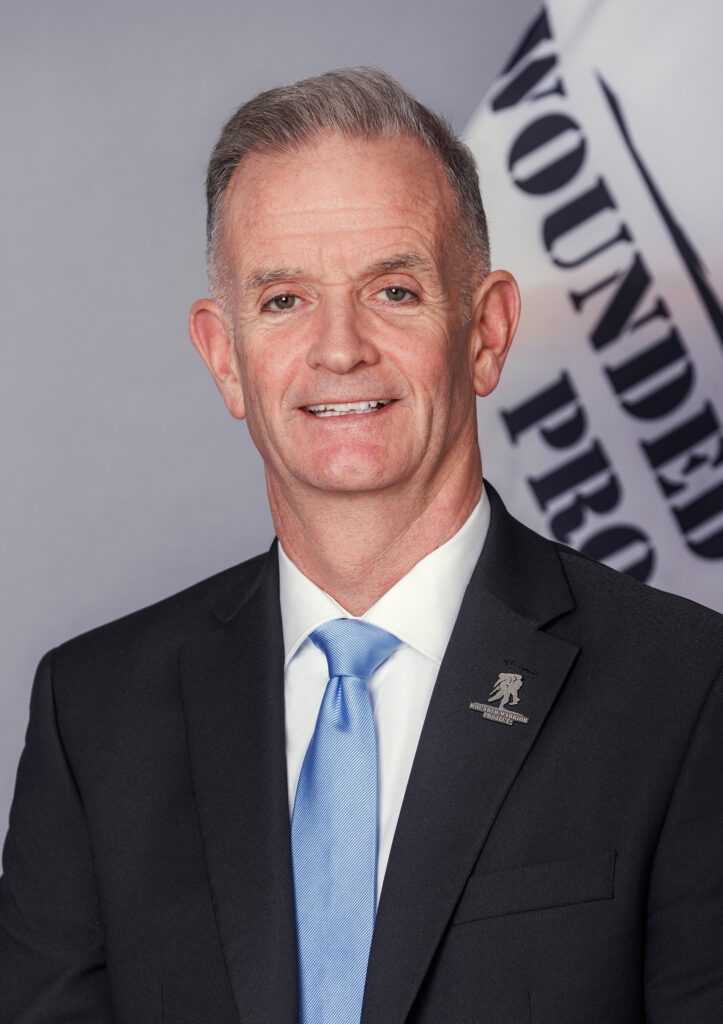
(124, 479)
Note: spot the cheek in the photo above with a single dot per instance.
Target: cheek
(437, 367)
(443, 376)
(263, 378)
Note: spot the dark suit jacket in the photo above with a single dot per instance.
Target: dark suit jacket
(563, 870)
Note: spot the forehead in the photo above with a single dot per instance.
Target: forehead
(337, 199)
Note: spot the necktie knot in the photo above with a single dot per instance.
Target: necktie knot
(354, 647)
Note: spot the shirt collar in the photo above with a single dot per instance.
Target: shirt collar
(420, 609)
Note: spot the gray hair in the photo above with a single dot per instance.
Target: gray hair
(356, 103)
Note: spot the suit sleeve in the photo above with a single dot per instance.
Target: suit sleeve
(52, 964)
(684, 950)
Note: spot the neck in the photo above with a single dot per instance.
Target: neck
(356, 546)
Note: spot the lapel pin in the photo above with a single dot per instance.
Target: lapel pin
(506, 690)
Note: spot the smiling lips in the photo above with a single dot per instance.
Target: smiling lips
(347, 408)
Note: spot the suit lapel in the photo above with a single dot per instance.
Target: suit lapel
(233, 690)
(465, 763)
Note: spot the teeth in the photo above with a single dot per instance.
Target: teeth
(347, 408)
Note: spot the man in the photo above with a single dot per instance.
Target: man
(298, 790)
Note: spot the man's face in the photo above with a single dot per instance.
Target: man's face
(351, 338)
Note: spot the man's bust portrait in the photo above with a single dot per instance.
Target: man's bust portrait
(415, 763)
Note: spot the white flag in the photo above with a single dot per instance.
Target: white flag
(599, 148)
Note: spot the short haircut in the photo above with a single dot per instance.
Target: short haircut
(356, 103)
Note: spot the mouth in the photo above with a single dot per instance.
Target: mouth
(347, 408)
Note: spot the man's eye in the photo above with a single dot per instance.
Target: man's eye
(396, 293)
(280, 303)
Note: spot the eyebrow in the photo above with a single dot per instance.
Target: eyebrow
(399, 261)
(260, 278)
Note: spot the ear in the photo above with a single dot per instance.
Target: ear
(495, 314)
(211, 335)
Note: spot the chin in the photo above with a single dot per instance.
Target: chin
(353, 479)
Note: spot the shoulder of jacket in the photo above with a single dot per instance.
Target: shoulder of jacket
(178, 616)
(618, 594)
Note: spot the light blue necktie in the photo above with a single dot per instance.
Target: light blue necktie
(334, 828)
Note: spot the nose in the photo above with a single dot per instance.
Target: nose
(341, 342)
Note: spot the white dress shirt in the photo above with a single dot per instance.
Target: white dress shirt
(421, 610)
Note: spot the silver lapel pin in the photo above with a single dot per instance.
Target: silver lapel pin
(506, 690)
